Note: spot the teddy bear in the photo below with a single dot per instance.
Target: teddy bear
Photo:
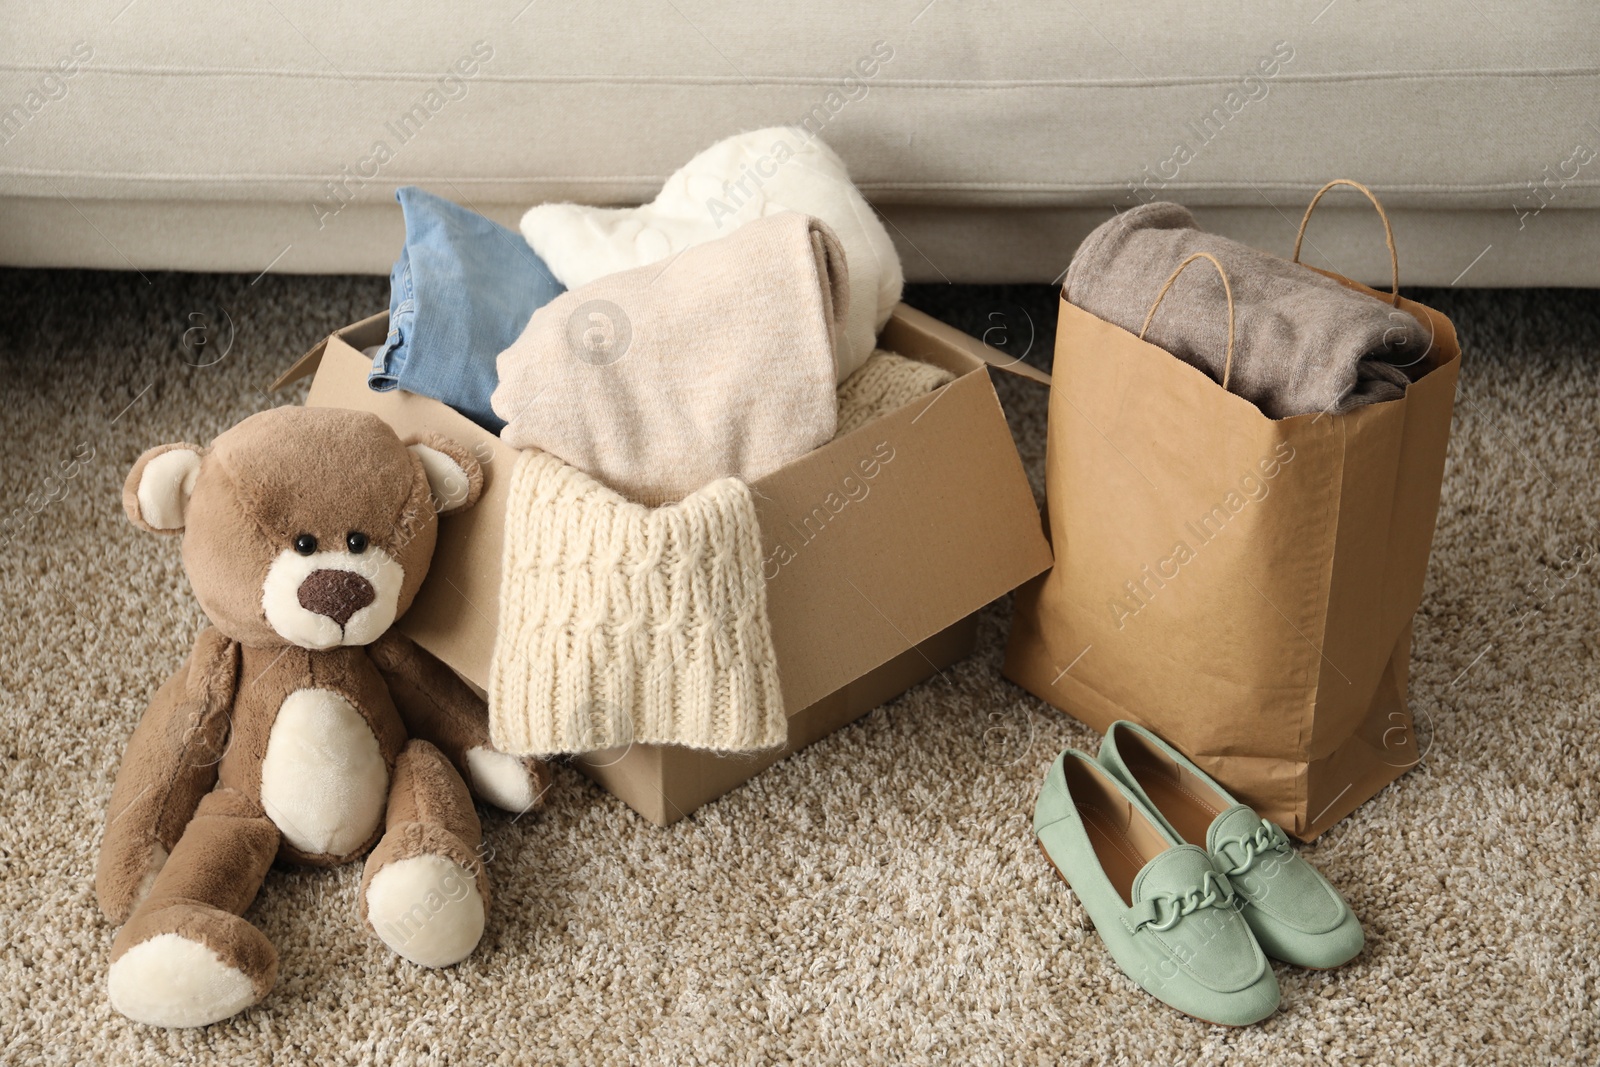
(302, 728)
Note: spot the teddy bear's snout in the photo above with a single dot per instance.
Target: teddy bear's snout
(338, 594)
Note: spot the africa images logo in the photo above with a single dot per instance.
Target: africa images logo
(598, 333)
(1139, 591)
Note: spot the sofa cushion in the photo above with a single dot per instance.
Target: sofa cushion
(321, 106)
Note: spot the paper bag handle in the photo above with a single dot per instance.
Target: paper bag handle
(1388, 232)
(1227, 366)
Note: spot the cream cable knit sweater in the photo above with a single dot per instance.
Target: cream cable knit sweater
(621, 623)
(885, 382)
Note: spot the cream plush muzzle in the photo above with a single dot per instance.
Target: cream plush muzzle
(283, 599)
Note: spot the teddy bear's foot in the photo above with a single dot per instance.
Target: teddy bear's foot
(186, 958)
(511, 783)
(427, 908)
(191, 965)
(425, 892)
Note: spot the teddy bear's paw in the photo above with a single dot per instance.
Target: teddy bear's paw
(427, 908)
(174, 978)
(511, 783)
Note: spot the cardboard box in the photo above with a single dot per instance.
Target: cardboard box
(873, 581)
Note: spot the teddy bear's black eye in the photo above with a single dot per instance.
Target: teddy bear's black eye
(356, 541)
(305, 544)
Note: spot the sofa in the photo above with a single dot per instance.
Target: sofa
(271, 137)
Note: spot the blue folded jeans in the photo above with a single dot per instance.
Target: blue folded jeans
(462, 290)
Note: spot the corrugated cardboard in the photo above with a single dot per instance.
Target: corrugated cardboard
(872, 577)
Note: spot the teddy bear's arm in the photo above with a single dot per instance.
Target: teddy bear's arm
(169, 765)
(440, 708)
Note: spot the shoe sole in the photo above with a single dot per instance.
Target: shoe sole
(1158, 1000)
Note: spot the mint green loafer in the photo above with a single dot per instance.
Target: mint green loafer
(1166, 916)
(1296, 915)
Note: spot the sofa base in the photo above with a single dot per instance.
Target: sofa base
(1475, 248)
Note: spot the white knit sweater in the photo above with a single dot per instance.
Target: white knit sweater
(621, 623)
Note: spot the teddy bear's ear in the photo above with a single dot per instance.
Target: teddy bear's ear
(455, 476)
(156, 494)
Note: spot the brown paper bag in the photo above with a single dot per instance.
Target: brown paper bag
(1241, 585)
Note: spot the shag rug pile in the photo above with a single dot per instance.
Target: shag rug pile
(877, 897)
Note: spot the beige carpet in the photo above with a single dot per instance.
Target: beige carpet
(877, 898)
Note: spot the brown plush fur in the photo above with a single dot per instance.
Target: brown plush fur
(270, 676)
(169, 765)
(188, 836)
(429, 812)
(212, 877)
(434, 702)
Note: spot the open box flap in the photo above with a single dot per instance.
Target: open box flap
(307, 364)
(303, 367)
(911, 333)
(915, 333)
(887, 535)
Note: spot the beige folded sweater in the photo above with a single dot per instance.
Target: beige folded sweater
(716, 362)
(620, 623)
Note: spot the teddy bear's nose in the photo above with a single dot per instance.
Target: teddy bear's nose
(338, 594)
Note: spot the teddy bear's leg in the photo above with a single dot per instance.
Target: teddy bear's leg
(437, 706)
(185, 957)
(425, 891)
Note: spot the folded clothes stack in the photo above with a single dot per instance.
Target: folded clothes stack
(735, 181)
(649, 363)
(1302, 342)
(662, 347)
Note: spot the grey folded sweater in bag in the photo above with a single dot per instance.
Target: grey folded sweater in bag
(1302, 342)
